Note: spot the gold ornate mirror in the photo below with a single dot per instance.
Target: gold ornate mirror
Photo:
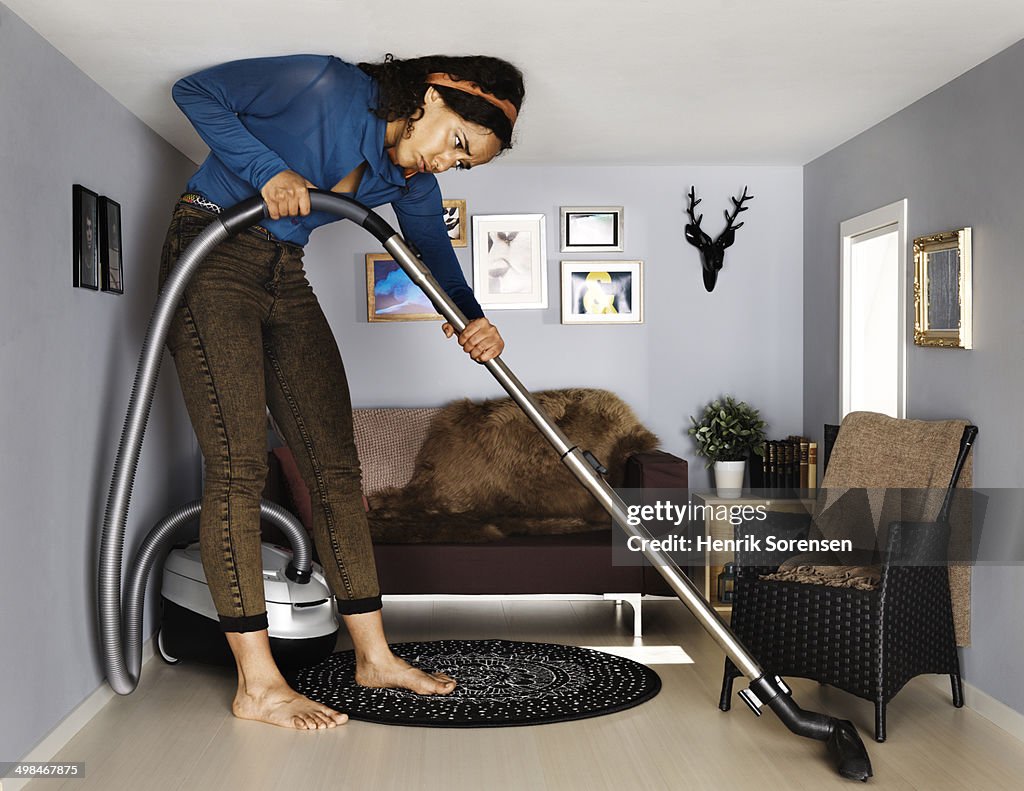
(942, 289)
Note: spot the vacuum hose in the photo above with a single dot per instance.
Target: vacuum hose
(842, 738)
(123, 670)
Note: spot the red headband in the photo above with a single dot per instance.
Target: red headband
(509, 109)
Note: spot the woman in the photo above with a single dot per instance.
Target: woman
(250, 334)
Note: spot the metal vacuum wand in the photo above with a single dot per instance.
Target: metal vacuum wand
(844, 743)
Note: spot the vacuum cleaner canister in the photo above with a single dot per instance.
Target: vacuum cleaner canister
(302, 626)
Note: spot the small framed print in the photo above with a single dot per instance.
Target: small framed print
(110, 246)
(602, 292)
(510, 261)
(391, 295)
(591, 229)
(942, 290)
(455, 221)
(85, 238)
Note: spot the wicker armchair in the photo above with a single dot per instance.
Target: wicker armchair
(868, 642)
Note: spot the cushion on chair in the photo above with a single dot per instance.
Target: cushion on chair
(865, 578)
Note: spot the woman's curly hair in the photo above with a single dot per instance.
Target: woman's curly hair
(402, 86)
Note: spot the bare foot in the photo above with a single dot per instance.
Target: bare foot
(281, 705)
(395, 673)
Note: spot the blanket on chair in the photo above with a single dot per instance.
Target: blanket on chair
(903, 467)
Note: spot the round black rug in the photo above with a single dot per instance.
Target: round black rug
(500, 682)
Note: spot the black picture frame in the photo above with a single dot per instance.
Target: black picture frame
(111, 259)
(85, 236)
(591, 229)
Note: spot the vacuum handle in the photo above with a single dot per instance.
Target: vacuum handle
(251, 211)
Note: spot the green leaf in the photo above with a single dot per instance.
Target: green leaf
(729, 430)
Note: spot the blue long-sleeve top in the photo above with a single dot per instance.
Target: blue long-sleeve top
(311, 114)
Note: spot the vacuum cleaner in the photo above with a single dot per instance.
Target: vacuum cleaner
(301, 623)
(765, 690)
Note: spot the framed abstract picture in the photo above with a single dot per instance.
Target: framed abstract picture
(85, 238)
(591, 229)
(391, 295)
(110, 246)
(510, 261)
(602, 292)
(455, 221)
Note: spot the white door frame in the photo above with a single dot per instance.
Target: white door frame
(893, 214)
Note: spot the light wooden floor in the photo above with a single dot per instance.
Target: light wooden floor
(176, 731)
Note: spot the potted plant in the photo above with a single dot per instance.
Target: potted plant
(727, 434)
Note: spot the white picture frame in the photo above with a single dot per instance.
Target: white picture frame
(591, 229)
(602, 292)
(510, 261)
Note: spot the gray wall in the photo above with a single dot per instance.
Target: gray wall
(956, 155)
(743, 339)
(68, 358)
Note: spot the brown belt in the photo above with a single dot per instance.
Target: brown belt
(206, 204)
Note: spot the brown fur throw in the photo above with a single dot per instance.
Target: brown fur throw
(485, 472)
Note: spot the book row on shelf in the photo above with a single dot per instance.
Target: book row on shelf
(790, 463)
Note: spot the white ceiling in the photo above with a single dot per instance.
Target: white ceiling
(608, 81)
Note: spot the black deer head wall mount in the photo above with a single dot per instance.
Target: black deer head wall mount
(712, 252)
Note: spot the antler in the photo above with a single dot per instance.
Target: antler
(691, 205)
(738, 205)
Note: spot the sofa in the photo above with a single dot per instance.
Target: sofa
(469, 499)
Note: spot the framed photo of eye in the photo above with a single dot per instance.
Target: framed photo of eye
(942, 290)
(510, 261)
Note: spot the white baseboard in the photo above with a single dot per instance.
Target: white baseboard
(66, 729)
(995, 711)
(634, 600)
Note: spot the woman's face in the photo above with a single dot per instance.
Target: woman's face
(442, 139)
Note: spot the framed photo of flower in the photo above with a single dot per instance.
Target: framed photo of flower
(591, 229)
(391, 295)
(602, 292)
(455, 221)
(510, 261)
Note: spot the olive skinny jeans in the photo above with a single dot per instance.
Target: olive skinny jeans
(250, 334)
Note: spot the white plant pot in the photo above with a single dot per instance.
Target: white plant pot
(729, 478)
